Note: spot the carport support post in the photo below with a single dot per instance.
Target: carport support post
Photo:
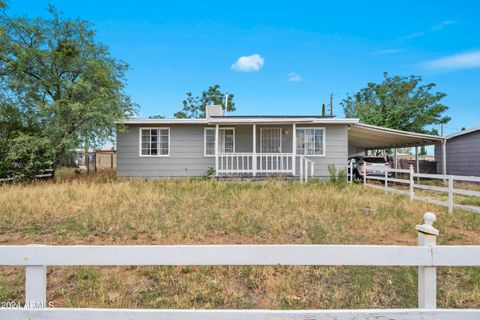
(444, 157)
(417, 164)
(395, 161)
(427, 276)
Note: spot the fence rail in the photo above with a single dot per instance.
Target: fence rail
(46, 174)
(175, 314)
(449, 180)
(426, 256)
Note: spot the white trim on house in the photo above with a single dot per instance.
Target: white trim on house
(140, 142)
(324, 142)
(261, 139)
(162, 121)
(219, 129)
(282, 120)
(242, 120)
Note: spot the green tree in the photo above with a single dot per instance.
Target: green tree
(401, 103)
(53, 70)
(194, 106)
(423, 151)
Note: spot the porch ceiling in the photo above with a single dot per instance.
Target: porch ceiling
(373, 137)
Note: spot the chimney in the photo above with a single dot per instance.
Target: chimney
(214, 110)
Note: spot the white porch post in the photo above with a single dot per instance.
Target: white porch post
(294, 148)
(254, 152)
(216, 149)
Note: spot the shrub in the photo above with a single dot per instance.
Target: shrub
(333, 172)
(209, 173)
(27, 157)
(337, 178)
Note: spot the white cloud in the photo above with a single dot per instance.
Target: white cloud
(442, 25)
(250, 63)
(294, 77)
(466, 60)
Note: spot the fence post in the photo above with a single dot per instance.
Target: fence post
(386, 181)
(306, 171)
(364, 176)
(412, 194)
(427, 276)
(351, 172)
(301, 169)
(450, 194)
(35, 287)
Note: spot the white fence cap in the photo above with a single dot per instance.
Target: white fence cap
(427, 227)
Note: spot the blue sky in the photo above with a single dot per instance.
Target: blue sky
(294, 54)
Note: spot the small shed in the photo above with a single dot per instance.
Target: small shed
(105, 159)
(462, 153)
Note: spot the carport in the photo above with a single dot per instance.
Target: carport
(363, 137)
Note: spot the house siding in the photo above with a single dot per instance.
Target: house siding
(463, 154)
(187, 150)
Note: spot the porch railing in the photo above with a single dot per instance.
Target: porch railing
(264, 163)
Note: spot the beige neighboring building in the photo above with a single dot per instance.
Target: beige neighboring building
(105, 159)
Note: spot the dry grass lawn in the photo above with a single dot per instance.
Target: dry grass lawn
(106, 210)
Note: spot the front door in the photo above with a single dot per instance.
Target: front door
(271, 140)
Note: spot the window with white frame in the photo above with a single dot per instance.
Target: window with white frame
(271, 140)
(226, 141)
(311, 141)
(154, 142)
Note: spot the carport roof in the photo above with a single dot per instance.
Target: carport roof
(372, 137)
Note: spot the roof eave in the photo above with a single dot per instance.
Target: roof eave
(252, 120)
(461, 133)
(401, 132)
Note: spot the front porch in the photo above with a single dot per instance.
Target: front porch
(264, 164)
(265, 150)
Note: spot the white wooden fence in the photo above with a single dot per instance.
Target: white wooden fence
(426, 256)
(413, 182)
(46, 174)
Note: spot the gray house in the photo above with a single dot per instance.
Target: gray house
(247, 146)
(462, 153)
